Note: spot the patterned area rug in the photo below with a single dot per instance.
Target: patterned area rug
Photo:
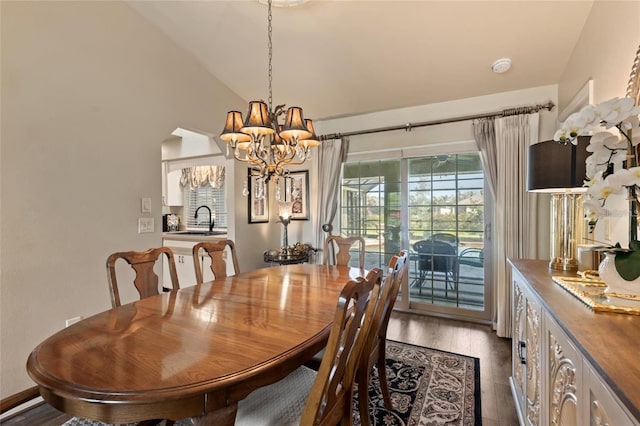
(428, 388)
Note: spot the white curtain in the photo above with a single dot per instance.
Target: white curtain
(199, 176)
(514, 234)
(484, 131)
(331, 155)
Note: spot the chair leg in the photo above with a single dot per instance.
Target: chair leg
(382, 374)
(363, 395)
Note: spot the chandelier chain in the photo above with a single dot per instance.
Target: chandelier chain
(259, 140)
(269, 30)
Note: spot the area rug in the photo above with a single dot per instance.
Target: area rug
(428, 387)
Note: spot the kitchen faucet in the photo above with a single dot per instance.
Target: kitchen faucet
(210, 217)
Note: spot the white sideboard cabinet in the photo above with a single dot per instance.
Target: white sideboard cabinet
(570, 366)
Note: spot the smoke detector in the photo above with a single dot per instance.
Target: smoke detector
(501, 65)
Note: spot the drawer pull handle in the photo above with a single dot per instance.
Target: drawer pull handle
(522, 352)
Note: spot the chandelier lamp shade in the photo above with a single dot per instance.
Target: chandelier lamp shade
(260, 140)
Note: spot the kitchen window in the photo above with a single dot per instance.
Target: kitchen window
(202, 189)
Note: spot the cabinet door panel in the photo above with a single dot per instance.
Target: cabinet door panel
(526, 346)
(533, 321)
(604, 408)
(174, 189)
(518, 344)
(185, 270)
(564, 377)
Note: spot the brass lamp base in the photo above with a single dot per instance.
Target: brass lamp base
(567, 230)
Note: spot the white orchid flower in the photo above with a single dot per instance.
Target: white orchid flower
(592, 167)
(594, 209)
(616, 110)
(626, 177)
(601, 139)
(614, 125)
(601, 190)
(561, 135)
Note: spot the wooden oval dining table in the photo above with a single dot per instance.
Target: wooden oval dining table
(193, 352)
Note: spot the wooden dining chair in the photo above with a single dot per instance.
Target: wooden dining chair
(142, 262)
(340, 247)
(375, 348)
(216, 251)
(328, 392)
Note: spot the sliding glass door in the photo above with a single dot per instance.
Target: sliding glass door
(435, 207)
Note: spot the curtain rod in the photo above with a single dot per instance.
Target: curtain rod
(409, 126)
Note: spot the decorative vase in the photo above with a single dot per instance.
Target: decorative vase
(615, 283)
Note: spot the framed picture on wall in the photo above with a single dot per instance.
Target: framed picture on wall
(258, 198)
(296, 190)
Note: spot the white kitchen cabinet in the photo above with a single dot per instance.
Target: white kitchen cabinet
(175, 191)
(183, 255)
(184, 263)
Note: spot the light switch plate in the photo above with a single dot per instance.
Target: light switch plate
(145, 225)
(146, 205)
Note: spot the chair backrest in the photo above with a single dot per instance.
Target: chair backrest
(142, 262)
(398, 266)
(215, 250)
(330, 399)
(446, 237)
(434, 247)
(340, 247)
(436, 255)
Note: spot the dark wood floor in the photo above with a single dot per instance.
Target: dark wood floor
(476, 340)
(438, 333)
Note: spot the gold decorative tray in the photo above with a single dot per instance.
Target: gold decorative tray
(591, 293)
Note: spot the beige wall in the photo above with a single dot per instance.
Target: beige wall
(605, 53)
(89, 92)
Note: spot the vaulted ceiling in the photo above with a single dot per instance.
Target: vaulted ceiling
(341, 58)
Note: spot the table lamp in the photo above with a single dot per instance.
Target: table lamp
(284, 212)
(560, 170)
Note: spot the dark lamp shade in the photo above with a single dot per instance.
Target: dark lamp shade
(312, 140)
(232, 126)
(257, 121)
(553, 167)
(294, 126)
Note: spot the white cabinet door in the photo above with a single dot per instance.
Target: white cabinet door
(604, 407)
(183, 257)
(186, 270)
(526, 350)
(518, 349)
(174, 189)
(564, 370)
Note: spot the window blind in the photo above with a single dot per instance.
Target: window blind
(214, 198)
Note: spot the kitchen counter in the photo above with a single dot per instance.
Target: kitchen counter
(182, 236)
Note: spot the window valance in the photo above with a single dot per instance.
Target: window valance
(199, 176)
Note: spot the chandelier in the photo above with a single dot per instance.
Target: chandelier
(267, 145)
